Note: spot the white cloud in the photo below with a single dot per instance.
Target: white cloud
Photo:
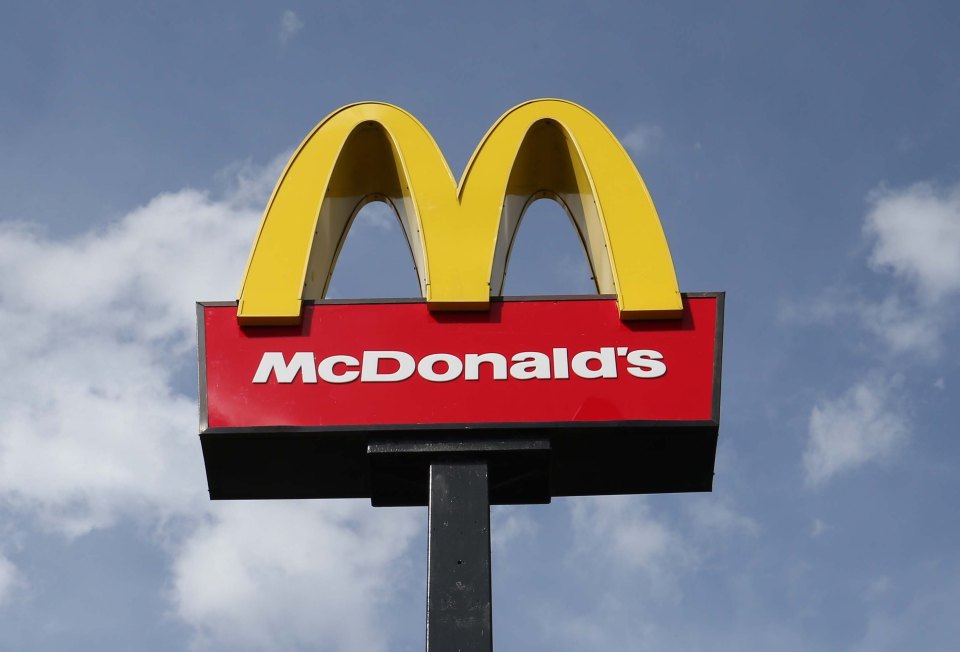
(818, 528)
(904, 328)
(97, 330)
(643, 138)
(914, 238)
(864, 425)
(288, 575)
(900, 323)
(878, 587)
(378, 216)
(621, 530)
(98, 423)
(916, 234)
(618, 537)
(509, 523)
(713, 516)
(9, 579)
(918, 617)
(290, 24)
(246, 184)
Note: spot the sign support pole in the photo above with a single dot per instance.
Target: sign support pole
(458, 582)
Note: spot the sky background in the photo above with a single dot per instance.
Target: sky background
(803, 158)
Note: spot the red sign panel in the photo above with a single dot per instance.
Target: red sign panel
(536, 361)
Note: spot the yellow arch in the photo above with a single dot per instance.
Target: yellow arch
(460, 236)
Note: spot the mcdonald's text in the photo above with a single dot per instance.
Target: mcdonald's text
(369, 367)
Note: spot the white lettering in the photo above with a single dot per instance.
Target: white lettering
(561, 368)
(327, 372)
(272, 361)
(472, 361)
(428, 372)
(606, 357)
(397, 366)
(370, 370)
(646, 364)
(529, 365)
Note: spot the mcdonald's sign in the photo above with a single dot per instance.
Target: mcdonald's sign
(610, 393)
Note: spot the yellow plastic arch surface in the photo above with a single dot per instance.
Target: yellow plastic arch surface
(460, 236)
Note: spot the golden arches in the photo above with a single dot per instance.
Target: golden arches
(459, 236)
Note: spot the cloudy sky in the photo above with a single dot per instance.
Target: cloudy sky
(803, 158)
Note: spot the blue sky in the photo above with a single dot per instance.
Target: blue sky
(803, 158)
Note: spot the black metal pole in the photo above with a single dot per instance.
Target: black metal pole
(458, 552)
